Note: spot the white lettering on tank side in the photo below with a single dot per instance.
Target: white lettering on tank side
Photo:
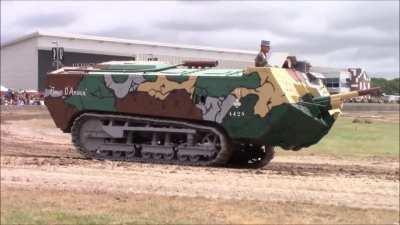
(51, 92)
(236, 113)
(69, 91)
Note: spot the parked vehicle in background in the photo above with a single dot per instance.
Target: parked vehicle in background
(391, 98)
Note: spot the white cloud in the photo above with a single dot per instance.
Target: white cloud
(364, 34)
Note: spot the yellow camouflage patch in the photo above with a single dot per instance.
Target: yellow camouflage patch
(161, 88)
(268, 93)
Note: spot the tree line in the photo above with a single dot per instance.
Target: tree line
(389, 87)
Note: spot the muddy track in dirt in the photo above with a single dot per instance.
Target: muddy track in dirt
(295, 169)
(278, 182)
(24, 129)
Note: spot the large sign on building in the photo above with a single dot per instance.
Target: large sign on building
(45, 61)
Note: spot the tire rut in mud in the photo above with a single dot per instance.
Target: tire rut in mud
(306, 169)
(279, 168)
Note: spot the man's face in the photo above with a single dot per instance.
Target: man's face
(264, 48)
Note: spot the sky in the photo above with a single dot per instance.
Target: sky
(333, 34)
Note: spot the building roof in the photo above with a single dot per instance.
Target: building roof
(123, 41)
(328, 70)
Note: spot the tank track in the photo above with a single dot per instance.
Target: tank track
(149, 140)
(267, 154)
(251, 156)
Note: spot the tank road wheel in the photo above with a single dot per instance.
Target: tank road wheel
(117, 155)
(169, 156)
(102, 154)
(158, 156)
(85, 131)
(147, 155)
(183, 158)
(194, 158)
(133, 153)
(211, 139)
(130, 155)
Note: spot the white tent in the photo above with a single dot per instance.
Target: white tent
(3, 89)
(31, 91)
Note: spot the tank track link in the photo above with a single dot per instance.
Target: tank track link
(149, 140)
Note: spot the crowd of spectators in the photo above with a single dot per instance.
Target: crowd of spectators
(22, 97)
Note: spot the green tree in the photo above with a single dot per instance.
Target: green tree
(389, 87)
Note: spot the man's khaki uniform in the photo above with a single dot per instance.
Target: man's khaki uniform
(261, 60)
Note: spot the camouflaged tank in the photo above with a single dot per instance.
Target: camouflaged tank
(189, 113)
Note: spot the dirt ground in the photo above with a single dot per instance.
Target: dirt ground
(35, 155)
(385, 116)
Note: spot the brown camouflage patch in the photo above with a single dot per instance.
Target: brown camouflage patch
(177, 104)
(60, 112)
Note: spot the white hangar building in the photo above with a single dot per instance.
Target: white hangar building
(26, 60)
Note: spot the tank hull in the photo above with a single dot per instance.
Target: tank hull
(256, 105)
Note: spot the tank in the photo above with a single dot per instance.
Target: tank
(191, 113)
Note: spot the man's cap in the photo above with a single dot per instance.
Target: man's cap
(265, 43)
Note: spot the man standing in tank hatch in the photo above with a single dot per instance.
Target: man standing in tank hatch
(261, 59)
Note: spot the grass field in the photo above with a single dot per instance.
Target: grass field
(358, 139)
(56, 207)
